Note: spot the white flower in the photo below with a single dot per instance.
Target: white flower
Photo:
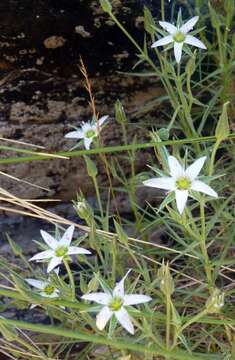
(47, 289)
(87, 132)
(114, 304)
(58, 249)
(182, 181)
(178, 35)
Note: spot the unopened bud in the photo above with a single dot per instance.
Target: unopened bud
(91, 167)
(166, 280)
(120, 113)
(190, 66)
(163, 133)
(83, 210)
(15, 247)
(215, 302)
(229, 6)
(149, 23)
(106, 6)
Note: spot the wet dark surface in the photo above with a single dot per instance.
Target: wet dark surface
(82, 30)
(41, 93)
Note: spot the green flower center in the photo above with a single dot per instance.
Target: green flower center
(49, 289)
(90, 134)
(116, 304)
(179, 37)
(183, 183)
(61, 251)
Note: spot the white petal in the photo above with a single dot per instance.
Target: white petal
(67, 237)
(168, 27)
(189, 25)
(165, 183)
(119, 288)
(193, 170)
(191, 40)
(103, 317)
(124, 319)
(87, 143)
(47, 254)
(33, 306)
(178, 51)
(72, 250)
(136, 299)
(176, 170)
(164, 41)
(99, 298)
(102, 119)
(49, 240)
(86, 126)
(198, 185)
(181, 197)
(55, 261)
(78, 134)
(36, 283)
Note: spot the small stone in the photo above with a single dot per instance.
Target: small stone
(54, 42)
(79, 29)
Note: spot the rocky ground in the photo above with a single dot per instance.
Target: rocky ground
(41, 86)
(42, 94)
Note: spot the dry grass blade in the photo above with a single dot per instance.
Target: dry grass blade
(24, 181)
(22, 143)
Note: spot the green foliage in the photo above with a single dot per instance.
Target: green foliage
(182, 260)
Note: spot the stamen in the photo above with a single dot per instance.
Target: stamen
(183, 183)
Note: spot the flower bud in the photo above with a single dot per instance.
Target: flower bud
(106, 6)
(120, 113)
(83, 209)
(166, 280)
(190, 66)
(215, 302)
(91, 167)
(229, 7)
(149, 23)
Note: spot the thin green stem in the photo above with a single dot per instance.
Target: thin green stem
(12, 294)
(98, 196)
(203, 246)
(71, 279)
(163, 9)
(213, 154)
(194, 319)
(115, 343)
(168, 320)
(113, 149)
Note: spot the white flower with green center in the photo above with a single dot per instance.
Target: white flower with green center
(45, 287)
(178, 35)
(182, 181)
(59, 249)
(114, 303)
(88, 131)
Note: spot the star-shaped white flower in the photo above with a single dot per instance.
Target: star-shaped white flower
(59, 249)
(88, 131)
(114, 304)
(178, 35)
(182, 181)
(47, 289)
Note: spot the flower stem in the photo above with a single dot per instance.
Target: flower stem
(98, 196)
(71, 279)
(168, 320)
(212, 161)
(203, 246)
(194, 319)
